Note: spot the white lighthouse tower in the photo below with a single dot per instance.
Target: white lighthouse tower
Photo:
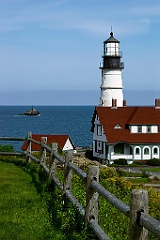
(111, 87)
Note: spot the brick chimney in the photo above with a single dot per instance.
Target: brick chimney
(157, 103)
(124, 103)
(114, 103)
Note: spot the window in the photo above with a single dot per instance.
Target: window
(99, 147)
(146, 151)
(131, 150)
(139, 129)
(137, 150)
(143, 128)
(155, 150)
(99, 130)
(119, 148)
(95, 146)
(148, 129)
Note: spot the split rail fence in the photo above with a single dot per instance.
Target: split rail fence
(137, 212)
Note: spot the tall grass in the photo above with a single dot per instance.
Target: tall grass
(23, 211)
(33, 208)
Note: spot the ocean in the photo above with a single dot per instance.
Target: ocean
(72, 120)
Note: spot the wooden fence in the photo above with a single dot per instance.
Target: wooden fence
(137, 212)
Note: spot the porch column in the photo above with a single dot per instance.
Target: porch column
(133, 151)
(141, 152)
(109, 151)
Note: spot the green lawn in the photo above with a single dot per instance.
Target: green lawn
(139, 180)
(23, 212)
(157, 169)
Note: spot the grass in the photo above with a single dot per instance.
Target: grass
(33, 208)
(23, 212)
(133, 174)
(157, 169)
(139, 180)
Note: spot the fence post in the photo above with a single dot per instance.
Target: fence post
(138, 204)
(53, 160)
(91, 195)
(67, 183)
(43, 151)
(29, 147)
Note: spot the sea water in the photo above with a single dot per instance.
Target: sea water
(72, 120)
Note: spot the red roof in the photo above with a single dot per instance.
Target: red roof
(125, 116)
(59, 139)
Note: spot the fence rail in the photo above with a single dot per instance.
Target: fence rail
(137, 212)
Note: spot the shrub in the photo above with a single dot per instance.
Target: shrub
(121, 161)
(155, 178)
(108, 172)
(144, 173)
(153, 162)
(6, 148)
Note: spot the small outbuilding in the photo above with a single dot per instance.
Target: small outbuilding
(64, 142)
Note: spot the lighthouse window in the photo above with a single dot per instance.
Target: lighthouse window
(106, 51)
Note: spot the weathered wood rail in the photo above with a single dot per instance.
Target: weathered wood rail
(137, 212)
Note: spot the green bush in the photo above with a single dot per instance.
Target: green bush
(6, 148)
(144, 173)
(108, 172)
(153, 162)
(155, 178)
(121, 161)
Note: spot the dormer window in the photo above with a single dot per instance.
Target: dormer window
(139, 129)
(143, 128)
(148, 129)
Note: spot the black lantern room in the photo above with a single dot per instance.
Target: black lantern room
(111, 54)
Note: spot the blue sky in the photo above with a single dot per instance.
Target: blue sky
(57, 44)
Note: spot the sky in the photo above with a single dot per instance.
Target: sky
(56, 46)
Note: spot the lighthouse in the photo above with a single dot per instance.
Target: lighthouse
(111, 67)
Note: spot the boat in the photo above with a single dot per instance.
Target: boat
(31, 112)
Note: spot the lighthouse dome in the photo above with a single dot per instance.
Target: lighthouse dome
(111, 39)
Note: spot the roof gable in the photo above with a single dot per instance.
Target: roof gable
(117, 127)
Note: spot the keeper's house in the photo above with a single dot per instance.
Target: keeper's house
(129, 132)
